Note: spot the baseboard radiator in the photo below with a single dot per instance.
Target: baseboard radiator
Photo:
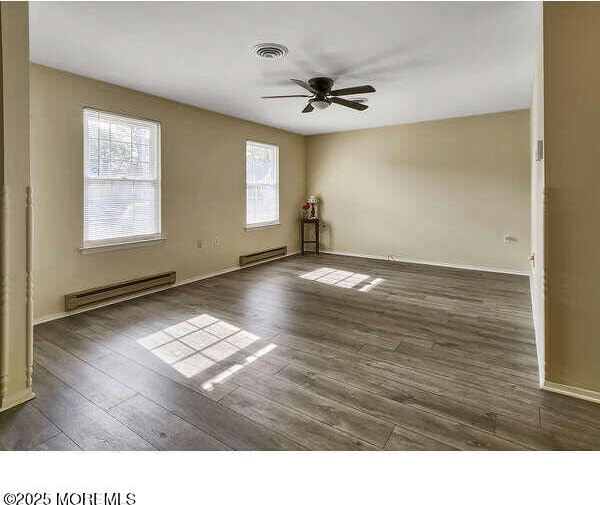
(262, 255)
(103, 293)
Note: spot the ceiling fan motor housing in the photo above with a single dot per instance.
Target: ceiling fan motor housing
(322, 84)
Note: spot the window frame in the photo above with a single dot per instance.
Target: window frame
(124, 242)
(262, 224)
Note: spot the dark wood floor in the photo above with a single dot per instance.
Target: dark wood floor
(327, 353)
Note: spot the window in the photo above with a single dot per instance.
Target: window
(121, 179)
(262, 184)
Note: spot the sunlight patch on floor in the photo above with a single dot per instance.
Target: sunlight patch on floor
(196, 344)
(371, 285)
(341, 278)
(220, 377)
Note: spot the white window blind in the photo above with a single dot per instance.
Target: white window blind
(262, 184)
(121, 179)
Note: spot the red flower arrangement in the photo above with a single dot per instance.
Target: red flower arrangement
(306, 206)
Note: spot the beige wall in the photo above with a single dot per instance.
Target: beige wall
(203, 173)
(440, 191)
(538, 186)
(571, 127)
(15, 325)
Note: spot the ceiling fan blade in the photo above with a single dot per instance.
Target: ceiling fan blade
(286, 96)
(306, 86)
(349, 103)
(308, 108)
(356, 90)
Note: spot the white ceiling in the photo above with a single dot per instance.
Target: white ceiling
(427, 60)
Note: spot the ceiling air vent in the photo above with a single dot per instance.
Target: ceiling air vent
(270, 51)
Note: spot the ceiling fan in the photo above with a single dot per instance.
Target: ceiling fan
(322, 96)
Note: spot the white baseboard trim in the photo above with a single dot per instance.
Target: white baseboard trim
(430, 263)
(541, 359)
(60, 315)
(582, 394)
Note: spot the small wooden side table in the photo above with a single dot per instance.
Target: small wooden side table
(314, 222)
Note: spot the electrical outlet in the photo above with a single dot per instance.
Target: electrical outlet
(217, 241)
(200, 243)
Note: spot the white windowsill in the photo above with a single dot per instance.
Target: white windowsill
(89, 249)
(262, 225)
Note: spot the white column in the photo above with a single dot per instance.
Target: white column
(16, 220)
